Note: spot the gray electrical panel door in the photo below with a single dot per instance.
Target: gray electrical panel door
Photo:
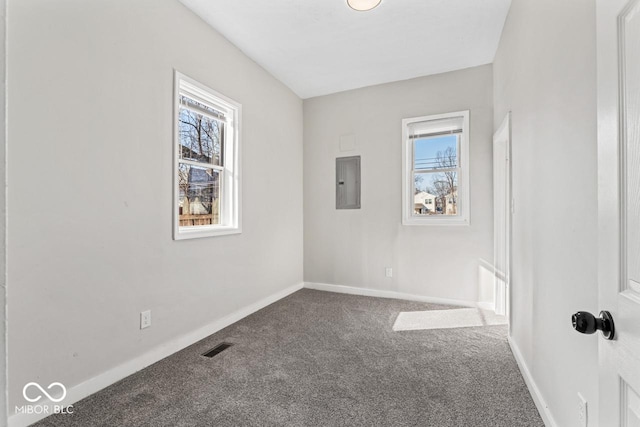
(348, 182)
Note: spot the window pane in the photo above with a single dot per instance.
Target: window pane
(188, 102)
(436, 152)
(435, 193)
(200, 137)
(199, 197)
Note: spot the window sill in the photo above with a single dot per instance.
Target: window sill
(436, 221)
(198, 232)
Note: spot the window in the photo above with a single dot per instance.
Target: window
(436, 167)
(207, 173)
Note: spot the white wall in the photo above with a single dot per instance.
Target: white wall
(90, 173)
(353, 247)
(545, 73)
(3, 214)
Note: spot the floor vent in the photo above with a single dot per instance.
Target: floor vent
(217, 349)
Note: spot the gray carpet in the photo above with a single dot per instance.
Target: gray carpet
(324, 359)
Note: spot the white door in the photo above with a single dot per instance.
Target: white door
(501, 215)
(618, 38)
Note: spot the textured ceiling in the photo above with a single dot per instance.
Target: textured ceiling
(322, 46)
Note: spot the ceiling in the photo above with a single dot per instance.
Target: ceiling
(317, 47)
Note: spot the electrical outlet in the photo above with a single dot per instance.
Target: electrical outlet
(388, 272)
(582, 411)
(145, 319)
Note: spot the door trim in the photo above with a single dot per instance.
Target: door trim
(504, 134)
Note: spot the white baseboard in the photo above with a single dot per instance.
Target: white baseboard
(486, 305)
(541, 404)
(352, 290)
(105, 379)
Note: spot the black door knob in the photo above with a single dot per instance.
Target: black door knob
(586, 323)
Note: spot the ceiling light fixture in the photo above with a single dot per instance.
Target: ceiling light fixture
(363, 5)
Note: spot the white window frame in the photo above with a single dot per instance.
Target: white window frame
(230, 172)
(408, 186)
